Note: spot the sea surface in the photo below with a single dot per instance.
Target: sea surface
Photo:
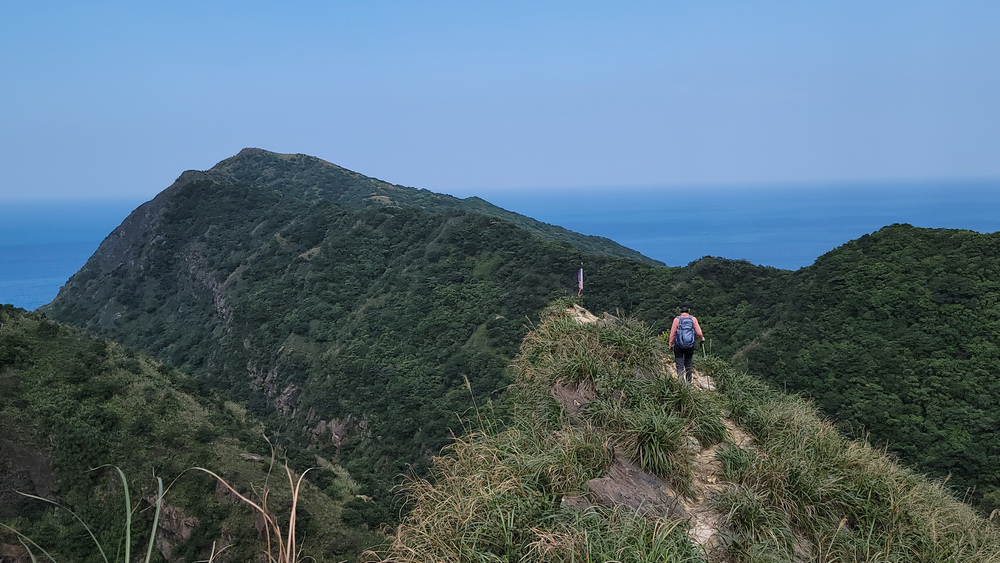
(42, 244)
(783, 227)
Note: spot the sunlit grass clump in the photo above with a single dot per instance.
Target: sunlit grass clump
(500, 494)
(803, 490)
(498, 497)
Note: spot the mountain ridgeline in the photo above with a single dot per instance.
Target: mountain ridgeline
(311, 179)
(356, 318)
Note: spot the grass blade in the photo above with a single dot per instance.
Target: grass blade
(78, 519)
(128, 515)
(25, 540)
(156, 519)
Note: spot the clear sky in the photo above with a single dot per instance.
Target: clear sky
(115, 99)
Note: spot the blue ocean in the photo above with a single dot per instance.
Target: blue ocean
(784, 227)
(43, 243)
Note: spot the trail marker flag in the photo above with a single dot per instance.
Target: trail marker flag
(579, 282)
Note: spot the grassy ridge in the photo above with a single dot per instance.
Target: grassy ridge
(798, 491)
(802, 481)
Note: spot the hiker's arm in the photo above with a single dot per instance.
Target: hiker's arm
(673, 331)
(697, 329)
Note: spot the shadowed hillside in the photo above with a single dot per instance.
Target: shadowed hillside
(72, 406)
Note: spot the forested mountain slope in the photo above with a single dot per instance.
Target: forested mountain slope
(352, 326)
(73, 405)
(311, 179)
(896, 334)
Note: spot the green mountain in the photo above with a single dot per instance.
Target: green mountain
(608, 457)
(311, 179)
(349, 314)
(350, 323)
(73, 405)
(895, 334)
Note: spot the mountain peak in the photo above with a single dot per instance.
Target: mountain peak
(252, 154)
(313, 179)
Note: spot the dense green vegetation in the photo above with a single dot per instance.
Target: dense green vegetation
(350, 328)
(310, 179)
(346, 311)
(796, 491)
(72, 405)
(895, 335)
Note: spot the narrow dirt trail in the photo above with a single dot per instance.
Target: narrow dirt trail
(623, 483)
(707, 479)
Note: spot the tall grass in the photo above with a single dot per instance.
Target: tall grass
(497, 494)
(281, 546)
(498, 498)
(798, 491)
(123, 552)
(843, 500)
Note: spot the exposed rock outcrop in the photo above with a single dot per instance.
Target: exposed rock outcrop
(175, 528)
(11, 553)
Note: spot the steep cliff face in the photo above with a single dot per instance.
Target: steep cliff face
(254, 183)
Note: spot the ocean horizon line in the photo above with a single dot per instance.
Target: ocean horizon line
(44, 241)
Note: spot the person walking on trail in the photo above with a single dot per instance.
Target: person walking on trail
(684, 333)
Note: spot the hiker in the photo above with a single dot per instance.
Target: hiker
(684, 333)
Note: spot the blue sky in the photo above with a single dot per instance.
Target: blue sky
(112, 100)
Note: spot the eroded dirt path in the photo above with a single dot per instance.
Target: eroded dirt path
(707, 479)
(623, 483)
